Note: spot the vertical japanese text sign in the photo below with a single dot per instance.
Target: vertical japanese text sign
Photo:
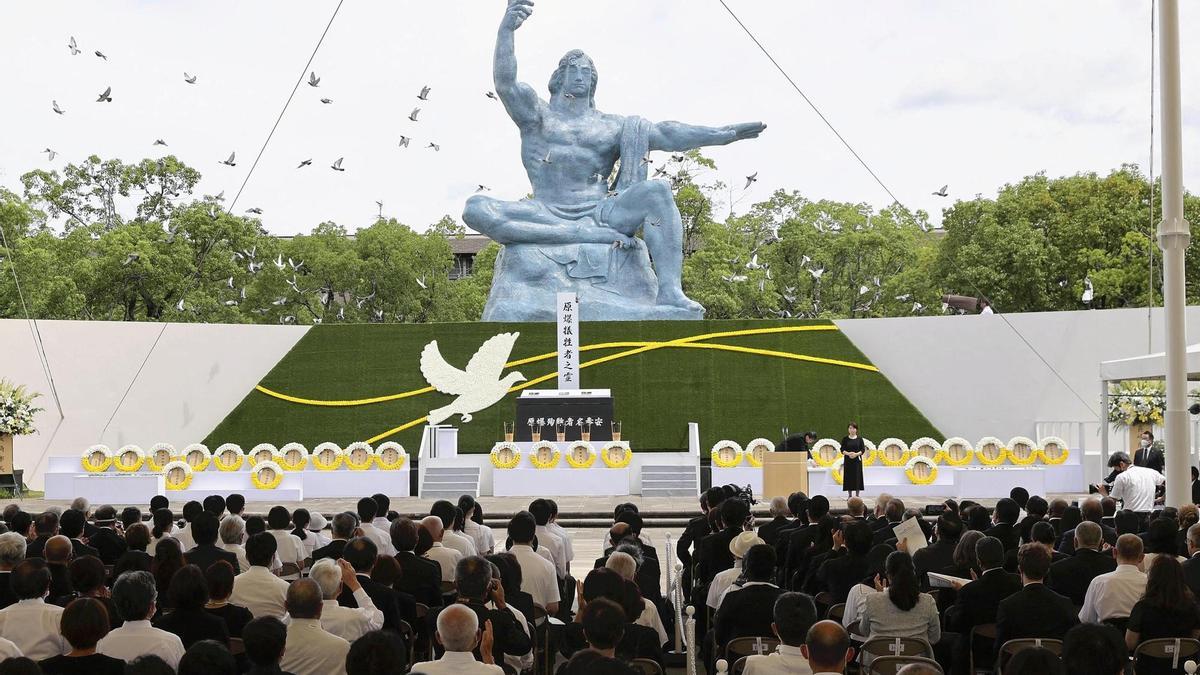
(568, 341)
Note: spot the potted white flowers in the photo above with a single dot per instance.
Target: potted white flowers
(16, 417)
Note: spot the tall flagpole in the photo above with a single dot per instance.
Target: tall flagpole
(1173, 237)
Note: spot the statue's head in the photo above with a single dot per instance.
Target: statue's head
(576, 75)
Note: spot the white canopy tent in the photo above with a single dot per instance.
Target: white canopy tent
(1145, 367)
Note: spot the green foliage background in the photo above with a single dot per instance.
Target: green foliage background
(656, 393)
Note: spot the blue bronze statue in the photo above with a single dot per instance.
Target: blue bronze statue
(578, 231)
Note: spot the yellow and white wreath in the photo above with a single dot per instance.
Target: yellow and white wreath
(177, 475)
(359, 456)
(870, 452)
(327, 457)
(96, 459)
(263, 452)
(726, 454)
(756, 451)
(159, 456)
(1053, 451)
(910, 470)
(587, 452)
(924, 447)
(266, 475)
(835, 469)
(543, 455)
(607, 452)
(893, 452)
(197, 456)
(990, 451)
(956, 451)
(825, 452)
(390, 456)
(1022, 450)
(506, 455)
(129, 459)
(292, 457)
(229, 457)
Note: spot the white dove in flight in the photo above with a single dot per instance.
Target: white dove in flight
(479, 386)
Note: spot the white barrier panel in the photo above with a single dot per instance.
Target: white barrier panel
(590, 482)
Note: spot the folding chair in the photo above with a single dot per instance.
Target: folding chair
(427, 647)
(836, 612)
(1177, 650)
(410, 638)
(823, 601)
(236, 646)
(738, 666)
(986, 631)
(646, 667)
(746, 646)
(890, 665)
(893, 646)
(1011, 647)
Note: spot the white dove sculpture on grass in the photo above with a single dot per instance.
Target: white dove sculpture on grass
(479, 386)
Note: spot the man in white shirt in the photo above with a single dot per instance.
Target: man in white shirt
(289, 548)
(382, 504)
(446, 557)
(458, 632)
(233, 533)
(31, 624)
(540, 508)
(1112, 595)
(257, 589)
(568, 544)
(367, 508)
(538, 577)
(310, 649)
(459, 542)
(345, 622)
(134, 594)
(1134, 485)
(481, 535)
(738, 546)
(827, 648)
(794, 614)
(184, 534)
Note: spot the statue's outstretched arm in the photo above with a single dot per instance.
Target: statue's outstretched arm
(678, 137)
(519, 98)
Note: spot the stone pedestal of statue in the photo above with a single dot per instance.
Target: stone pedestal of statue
(612, 284)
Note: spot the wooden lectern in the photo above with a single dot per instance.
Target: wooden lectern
(784, 473)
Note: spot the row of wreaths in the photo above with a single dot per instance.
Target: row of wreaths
(268, 463)
(579, 455)
(920, 458)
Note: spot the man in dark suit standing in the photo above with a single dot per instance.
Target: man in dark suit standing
(1092, 511)
(714, 549)
(979, 600)
(1071, 577)
(1034, 611)
(205, 527)
(360, 553)
(419, 577)
(1147, 455)
(105, 538)
(342, 529)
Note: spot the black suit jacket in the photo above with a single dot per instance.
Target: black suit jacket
(61, 590)
(34, 549)
(80, 549)
(840, 571)
(7, 597)
(745, 612)
(204, 555)
(797, 546)
(1033, 612)
(110, 544)
(978, 601)
(194, 625)
(421, 578)
(638, 642)
(509, 638)
(385, 600)
(884, 533)
(1071, 577)
(933, 558)
(714, 553)
(694, 533)
(1006, 533)
(1191, 572)
(648, 577)
(768, 532)
(1151, 458)
(1010, 559)
(331, 550)
(1066, 543)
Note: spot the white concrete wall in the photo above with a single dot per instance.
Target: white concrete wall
(196, 374)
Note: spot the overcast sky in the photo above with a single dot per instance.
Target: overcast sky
(971, 94)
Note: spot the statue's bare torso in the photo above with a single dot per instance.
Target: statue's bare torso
(582, 151)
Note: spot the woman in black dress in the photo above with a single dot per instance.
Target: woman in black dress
(852, 467)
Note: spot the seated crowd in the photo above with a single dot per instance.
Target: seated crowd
(371, 592)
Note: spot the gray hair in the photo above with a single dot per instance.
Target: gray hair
(56, 510)
(1193, 535)
(81, 504)
(457, 627)
(12, 549)
(232, 529)
(622, 563)
(779, 506)
(328, 576)
(343, 524)
(1089, 535)
(134, 594)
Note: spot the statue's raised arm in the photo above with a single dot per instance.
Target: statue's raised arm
(519, 98)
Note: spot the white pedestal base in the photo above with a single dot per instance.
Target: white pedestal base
(740, 476)
(590, 482)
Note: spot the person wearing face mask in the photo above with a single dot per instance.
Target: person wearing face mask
(1147, 455)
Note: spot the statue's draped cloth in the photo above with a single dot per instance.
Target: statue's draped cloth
(601, 261)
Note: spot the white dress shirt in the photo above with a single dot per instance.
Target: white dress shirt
(459, 542)
(261, 592)
(311, 650)
(537, 575)
(243, 563)
(382, 523)
(33, 626)
(9, 650)
(350, 623)
(289, 548)
(446, 557)
(568, 545)
(549, 540)
(138, 638)
(1135, 487)
(481, 535)
(786, 660)
(721, 582)
(650, 619)
(856, 600)
(1113, 595)
(184, 536)
(381, 539)
(455, 663)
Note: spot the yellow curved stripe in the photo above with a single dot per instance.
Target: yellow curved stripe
(646, 346)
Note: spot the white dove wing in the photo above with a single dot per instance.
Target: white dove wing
(488, 363)
(441, 375)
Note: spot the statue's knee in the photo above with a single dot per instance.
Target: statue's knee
(477, 212)
(660, 190)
